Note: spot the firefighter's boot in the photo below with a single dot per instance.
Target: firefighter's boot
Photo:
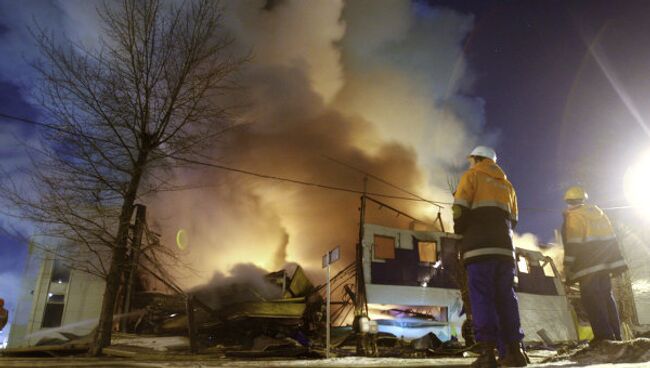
(515, 357)
(486, 358)
(468, 332)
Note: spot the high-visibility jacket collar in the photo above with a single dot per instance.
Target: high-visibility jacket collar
(490, 168)
(590, 212)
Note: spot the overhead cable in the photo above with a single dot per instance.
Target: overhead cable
(413, 196)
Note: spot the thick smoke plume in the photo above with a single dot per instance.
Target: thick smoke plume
(381, 85)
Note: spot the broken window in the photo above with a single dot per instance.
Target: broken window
(53, 311)
(427, 251)
(547, 268)
(60, 272)
(384, 247)
(522, 264)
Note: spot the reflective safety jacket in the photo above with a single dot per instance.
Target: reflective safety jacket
(4, 316)
(590, 244)
(485, 212)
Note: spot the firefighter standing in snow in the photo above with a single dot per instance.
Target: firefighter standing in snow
(485, 212)
(591, 254)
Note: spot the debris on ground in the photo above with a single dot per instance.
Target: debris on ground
(283, 316)
(264, 346)
(426, 342)
(280, 315)
(601, 352)
(156, 343)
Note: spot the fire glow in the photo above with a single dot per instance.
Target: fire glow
(317, 87)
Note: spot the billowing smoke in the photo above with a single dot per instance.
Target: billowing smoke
(245, 282)
(531, 242)
(381, 85)
(526, 241)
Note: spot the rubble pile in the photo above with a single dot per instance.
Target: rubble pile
(279, 315)
(282, 315)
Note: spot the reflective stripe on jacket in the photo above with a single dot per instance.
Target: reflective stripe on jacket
(590, 244)
(485, 211)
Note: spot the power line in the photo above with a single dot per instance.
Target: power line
(296, 181)
(438, 204)
(223, 167)
(55, 128)
(417, 198)
(28, 121)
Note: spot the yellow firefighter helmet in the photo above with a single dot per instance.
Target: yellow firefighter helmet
(576, 193)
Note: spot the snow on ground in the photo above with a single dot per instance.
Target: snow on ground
(157, 343)
(333, 363)
(583, 356)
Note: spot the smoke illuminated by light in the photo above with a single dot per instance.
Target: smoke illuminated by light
(635, 183)
(328, 82)
(641, 287)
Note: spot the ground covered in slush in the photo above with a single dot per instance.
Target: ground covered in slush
(331, 363)
(634, 353)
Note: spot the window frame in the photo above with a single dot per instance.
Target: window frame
(521, 257)
(375, 257)
(435, 251)
(60, 272)
(48, 307)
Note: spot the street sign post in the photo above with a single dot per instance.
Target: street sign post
(328, 259)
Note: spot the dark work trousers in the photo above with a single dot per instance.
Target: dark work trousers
(495, 308)
(598, 302)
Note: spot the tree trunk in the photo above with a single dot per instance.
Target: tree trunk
(104, 330)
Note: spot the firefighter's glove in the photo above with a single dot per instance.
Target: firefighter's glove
(460, 218)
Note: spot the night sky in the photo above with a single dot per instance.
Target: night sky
(558, 119)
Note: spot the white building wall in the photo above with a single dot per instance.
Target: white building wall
(23, 316)
(82, 304)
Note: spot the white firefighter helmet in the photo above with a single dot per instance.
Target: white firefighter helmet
(484, 151)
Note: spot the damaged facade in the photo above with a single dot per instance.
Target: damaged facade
(410, 285)
(412, 288)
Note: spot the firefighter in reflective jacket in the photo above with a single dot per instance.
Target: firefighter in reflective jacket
(485, 212)
(591, 255)
(4, 315)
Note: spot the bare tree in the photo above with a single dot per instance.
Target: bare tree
(146, 97)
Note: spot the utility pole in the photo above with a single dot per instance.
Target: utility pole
(140, 220)
(360, 285)
(191, 327)
(361, 307)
